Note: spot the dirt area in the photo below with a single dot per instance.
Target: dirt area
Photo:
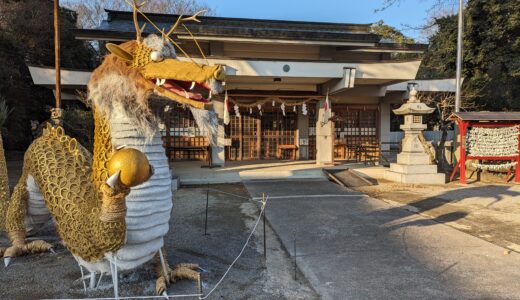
(230, 220)
(490, 211)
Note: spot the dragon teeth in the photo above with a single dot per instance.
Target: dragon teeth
(192, 85)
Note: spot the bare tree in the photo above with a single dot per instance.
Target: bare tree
(437, 5)
(438, 9)
(92, 12)
(445, 104)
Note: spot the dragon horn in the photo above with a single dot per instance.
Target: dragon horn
(180, 20)
(138, 30)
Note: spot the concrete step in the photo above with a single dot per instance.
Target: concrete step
(347, 177)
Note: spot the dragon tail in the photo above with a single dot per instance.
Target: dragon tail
(4, 186)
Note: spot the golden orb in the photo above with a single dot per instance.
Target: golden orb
(135, 167)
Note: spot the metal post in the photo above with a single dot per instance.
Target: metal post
(265, 244)
(459, 57)
(207, 204)
(295, 265)
(92, 283)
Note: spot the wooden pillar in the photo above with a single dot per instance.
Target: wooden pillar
(296, 154)
(378, 132)
(57, 51)
(333, 127)
(280, 120)
(258, 137)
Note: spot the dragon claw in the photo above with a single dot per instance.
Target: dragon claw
(160, 286)
(37, 246)
(202, 270)
(181, 271)
(185, 271)
(7, 261)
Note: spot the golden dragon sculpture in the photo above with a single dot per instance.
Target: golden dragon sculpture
(105, 224)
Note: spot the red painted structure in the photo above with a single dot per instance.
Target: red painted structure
(466, 120)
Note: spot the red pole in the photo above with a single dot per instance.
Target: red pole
(462, 170)
(517, 168)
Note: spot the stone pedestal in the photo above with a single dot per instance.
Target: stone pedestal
(414, 163)
(426, 174)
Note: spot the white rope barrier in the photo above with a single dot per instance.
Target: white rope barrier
(231, 194)
(241, 251)
(134, 297)
(113, 270)
(238, 196)
(83, 278)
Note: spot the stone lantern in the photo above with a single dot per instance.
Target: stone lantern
(414, 162)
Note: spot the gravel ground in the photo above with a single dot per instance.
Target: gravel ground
(230, 221)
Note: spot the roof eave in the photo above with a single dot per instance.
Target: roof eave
(127, 15)
(109, 35)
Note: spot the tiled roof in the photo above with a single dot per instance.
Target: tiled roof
(120, 24)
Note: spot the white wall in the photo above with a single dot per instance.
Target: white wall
(397, 136)
(384, 116)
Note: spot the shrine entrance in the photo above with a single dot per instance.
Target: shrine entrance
(267, 136)
(356, 130)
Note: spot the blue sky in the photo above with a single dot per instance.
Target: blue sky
(409, 12)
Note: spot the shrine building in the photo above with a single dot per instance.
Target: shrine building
(273, 62)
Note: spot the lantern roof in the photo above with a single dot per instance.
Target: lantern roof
(413, 106)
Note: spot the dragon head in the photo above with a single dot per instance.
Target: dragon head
(135, 70)
(157, 70)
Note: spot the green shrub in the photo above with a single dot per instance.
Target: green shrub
(4, 112)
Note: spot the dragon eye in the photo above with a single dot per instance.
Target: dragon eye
(156, 56)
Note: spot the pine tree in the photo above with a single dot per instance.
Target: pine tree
(491, 66)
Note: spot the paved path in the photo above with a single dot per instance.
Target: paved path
(485, 210)
(190, 172)
(351, 246)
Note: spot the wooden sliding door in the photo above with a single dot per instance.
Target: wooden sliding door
(255, 136)
(356, 132)
(278, 130)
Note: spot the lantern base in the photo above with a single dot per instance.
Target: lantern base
(423, 174)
